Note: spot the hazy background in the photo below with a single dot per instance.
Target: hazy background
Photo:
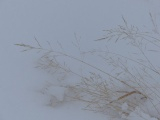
(53, 20)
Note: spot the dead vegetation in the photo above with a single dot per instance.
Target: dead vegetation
(128, 83)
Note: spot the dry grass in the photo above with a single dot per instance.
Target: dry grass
(128, 83)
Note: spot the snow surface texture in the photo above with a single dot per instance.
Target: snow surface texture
(52, 20)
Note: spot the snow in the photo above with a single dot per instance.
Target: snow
(124, 106)
(23, 94)
(140, 115)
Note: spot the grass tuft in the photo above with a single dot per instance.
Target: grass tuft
(130, 81)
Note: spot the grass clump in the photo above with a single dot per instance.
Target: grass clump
(130, 81)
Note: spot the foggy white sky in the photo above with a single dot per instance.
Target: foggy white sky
(52, 20)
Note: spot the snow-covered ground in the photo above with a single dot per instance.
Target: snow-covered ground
(56, 20)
